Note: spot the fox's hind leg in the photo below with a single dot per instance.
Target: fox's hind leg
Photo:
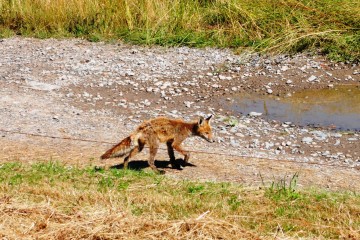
(154, 145)
(133, 152)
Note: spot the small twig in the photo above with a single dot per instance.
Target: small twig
(202, 215)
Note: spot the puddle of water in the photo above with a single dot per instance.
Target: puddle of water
(339, 107)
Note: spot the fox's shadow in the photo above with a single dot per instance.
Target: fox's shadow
(141, 164)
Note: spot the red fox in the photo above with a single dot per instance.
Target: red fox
(152, 132)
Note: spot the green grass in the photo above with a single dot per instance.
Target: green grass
(330, 26)
(48, 200)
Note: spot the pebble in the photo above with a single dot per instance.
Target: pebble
(284, 68)
(269, 145)
(326, 153)
(147, 102)
(307, 140)
(233, 142)
(255, 114)
(312, 78)
(319, 135)
(336, 135)
(188, 104)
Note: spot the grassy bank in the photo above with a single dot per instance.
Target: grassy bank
(50, 200)
(332, 26)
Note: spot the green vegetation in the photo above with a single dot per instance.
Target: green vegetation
(331, 26)
(50, 200)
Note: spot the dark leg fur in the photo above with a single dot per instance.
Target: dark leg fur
(172, 155)
(133, 153)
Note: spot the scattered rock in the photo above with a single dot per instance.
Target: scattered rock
(312, 78)
(307, 140)
(255, 114)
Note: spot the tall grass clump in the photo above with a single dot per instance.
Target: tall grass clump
(331, 26)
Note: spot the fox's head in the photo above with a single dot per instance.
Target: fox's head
(203, 129)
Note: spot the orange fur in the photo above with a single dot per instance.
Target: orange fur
(160, 130)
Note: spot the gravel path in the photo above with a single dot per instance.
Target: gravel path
(97, 91)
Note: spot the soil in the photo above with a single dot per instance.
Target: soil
(70, 100)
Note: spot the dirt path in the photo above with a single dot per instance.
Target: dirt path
(95, 91)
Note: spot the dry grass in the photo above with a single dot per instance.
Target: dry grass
(44, 222)
(272, 26)
(53, 201)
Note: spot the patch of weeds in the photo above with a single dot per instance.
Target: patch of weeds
(137, 210)
(106, 182)
(117, 173)
(288, 227)
(283, 191)
(181, 38)
(280, 211)
(342, 48)
(234, 202)
(230, 121)
(42, 34)
(224, 188)
(6, 33)
(17, 179)
(9, 167)
(93, 37)
(320, 196)
(123, 185)
(346, 132)
(49, 168)
(121, 179)
(179, 211)
(195, 189)
(8, 173)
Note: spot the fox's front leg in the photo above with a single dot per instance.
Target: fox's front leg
(172, 155)
(178, 148)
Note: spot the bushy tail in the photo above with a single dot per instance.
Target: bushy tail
(120, 149)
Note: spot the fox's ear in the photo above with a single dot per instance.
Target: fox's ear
(208, 118)
(201, 121)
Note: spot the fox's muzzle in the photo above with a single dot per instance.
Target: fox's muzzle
(210, 140)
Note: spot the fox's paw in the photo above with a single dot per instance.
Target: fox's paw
(177, 166)
(187, 157)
